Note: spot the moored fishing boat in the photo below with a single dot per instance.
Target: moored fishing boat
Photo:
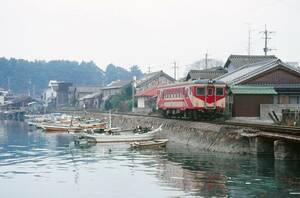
(104, 138)
(160, 143)
(60, 128)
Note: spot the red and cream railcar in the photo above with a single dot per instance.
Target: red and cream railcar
(197, 99)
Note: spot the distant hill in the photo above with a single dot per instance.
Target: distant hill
(19, 74)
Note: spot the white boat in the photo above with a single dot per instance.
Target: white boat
(104, 138)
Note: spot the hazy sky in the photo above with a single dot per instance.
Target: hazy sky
(145, 32)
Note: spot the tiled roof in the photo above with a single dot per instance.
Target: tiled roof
(90, 96)
(257, 90)
(151, 92)
(248, 71)
(88, 89)
(118, 83)
(148, 77)
(240, 60)
(210, 73)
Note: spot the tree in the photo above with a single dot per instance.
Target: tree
(135, 71)
(201, 64)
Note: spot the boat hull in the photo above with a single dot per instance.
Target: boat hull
(103, 138)
(150, 144)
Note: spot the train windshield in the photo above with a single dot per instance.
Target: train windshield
(200, 91)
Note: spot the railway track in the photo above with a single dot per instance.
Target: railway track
(258, 126)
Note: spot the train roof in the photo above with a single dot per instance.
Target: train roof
(205, 81)
(208, 81)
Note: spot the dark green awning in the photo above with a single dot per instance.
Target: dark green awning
(256, 90)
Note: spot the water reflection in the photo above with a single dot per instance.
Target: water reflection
(52, 163)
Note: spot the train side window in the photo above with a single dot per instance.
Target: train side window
(200, 91)
(219, 91)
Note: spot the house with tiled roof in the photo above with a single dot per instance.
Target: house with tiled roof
(236, 61)
(94, 96)
(210, 73)
(261, 78)
(81, 91)
(153, 79)
(147, 87)
(146, 99)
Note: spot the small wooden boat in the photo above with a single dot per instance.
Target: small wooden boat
(104, 138)
(60, 128)
(150, 144)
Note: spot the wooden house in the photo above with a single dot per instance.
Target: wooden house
(147, 87)
(275, 74)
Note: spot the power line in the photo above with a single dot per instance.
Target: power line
(266, 38)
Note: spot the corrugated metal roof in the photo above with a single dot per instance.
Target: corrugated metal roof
(253, 90)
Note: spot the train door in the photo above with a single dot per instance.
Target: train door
(210, 96)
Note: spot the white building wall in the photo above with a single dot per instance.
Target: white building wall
(49, 93)
(141, 102)
(1, 100)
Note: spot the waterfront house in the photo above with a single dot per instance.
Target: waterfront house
(91, 101)
(57, 93)
(3, 94)
(146, 99)
(275, 74)
(115, 87)
(18, 102)
(147, 88)
(81, 91)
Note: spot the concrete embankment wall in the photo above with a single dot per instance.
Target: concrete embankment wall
(196, 135)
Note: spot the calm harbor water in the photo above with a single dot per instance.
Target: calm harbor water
(35, 164)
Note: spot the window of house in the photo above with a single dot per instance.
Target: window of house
(200, 91)
(219, 91)
(294, 99)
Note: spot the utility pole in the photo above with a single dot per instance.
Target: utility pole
(266, 37)
(206, 60)
(8, 84)
(149, 69)
(175, 69)
(249, 38)
(133, 90)
(29, 87)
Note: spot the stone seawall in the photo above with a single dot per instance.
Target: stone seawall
(195, 135)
